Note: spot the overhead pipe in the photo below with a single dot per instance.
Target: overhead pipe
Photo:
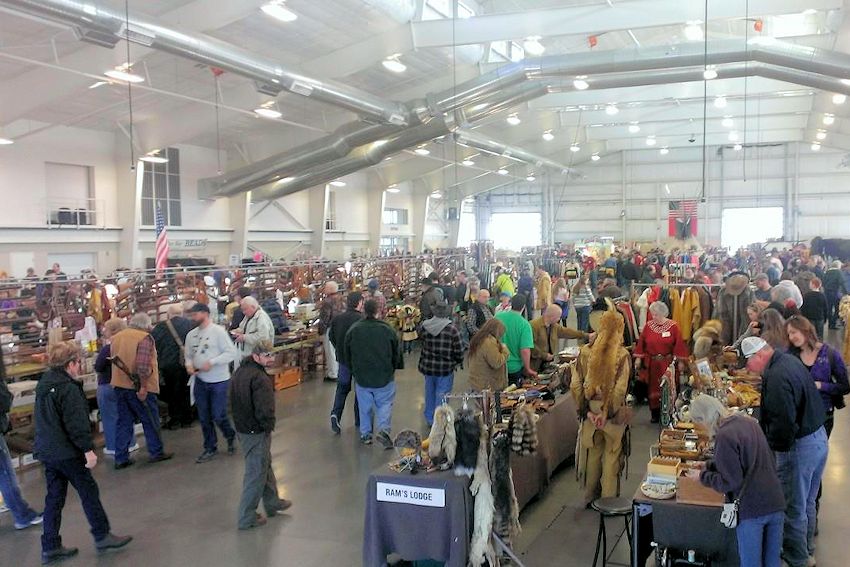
(363, 157)
(487, 144)
(94, 22)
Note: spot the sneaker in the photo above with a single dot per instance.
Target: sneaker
(109, 452)
(112, 541)
(231, 446)
(258, 521)
(135, 447)
(281, 506)
(124, 465)
(811, 561)
(161, 457)
(384, 439)
(206, 456)
(38, 519)
(335, 424)
(366, 439)
(330, 379)
(58, 554)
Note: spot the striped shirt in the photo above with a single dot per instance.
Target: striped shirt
(584, 298)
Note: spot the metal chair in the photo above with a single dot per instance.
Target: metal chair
(610, 508)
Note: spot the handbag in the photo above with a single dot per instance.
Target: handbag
(729, 516)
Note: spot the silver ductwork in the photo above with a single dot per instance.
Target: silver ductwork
(95, 22)
(487, 144)
(363, 157)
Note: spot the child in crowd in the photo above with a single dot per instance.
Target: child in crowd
(504, 302)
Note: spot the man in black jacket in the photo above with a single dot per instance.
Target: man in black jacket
(252, 402)
(792, 418)
(23, 515)
(63, 443)
(170, 339)
(339, 327)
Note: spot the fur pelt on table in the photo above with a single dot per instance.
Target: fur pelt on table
(481, 546)
(707, 337)
(468, 432)
(523, 427)
(442, 442)
(506, 519)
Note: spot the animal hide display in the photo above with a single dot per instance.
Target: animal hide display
(523, 427)
(468, 433)
(706, 337)
(481, 547)
(506, 517)
(604, 358)
(442, 441)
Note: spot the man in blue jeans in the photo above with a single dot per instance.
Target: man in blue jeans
(372, 349)
(339, 326)
(792, 417)
(134, 346)
(441, 353)
(23, 515)
(209, 352)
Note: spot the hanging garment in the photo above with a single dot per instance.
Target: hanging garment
(642, 303)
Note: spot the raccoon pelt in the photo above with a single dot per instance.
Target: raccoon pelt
(442, 441)
(523, 427)
(706, 337)
(506, 519)
(468, 433)
(481, 548)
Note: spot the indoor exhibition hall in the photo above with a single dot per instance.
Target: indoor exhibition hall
(424, 283)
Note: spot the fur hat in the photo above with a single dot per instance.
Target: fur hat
(707, 336)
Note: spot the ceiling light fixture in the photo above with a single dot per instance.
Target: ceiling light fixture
(579, 83)
(532, 45)
(828, 119)
(595, 157)
(815, 147)
(513, 119)
(727, 122)
(693, 31)
(530, 178)
(437, 195)
(575, 147)
(664, 151)
(611, 109)
(737, 147)
(548, 135)
(650, 140)
(720, 102)
(821, 135)
(338, 183)
(634, 128)
(709, 74)
(154, 156)
(122, 73)
(733, 136)
(392, 63)
(393, 188)
(277, 9)
(502, 171)
(267, 112)
(98, 84)
(422, 151)
(839, 98)
(479, 106)
(6, 141)
(468, 162)
(845, 82)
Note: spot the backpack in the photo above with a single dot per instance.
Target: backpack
(275, 313)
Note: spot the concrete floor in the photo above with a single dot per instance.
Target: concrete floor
(182, 514)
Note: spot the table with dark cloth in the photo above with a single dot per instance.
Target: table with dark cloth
(418, 532)
(682, 527)
(556, 442)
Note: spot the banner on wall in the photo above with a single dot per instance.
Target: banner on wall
(187, 244)
(682, 219)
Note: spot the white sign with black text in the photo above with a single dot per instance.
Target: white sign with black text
(416, 495)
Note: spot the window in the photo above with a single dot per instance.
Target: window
(161, 185)
(466, 226)
(395, 216)
(392, 244)
(442, 10)
(505, 51)
(330, 212)
(512, 231)
(69, 194)
(741, 227)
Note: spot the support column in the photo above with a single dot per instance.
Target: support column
(418, 217)
(240, 208)
(318, 214)
(623, 211)
(376, 202)
(129, 186)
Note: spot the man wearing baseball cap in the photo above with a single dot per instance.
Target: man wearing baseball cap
(792, 418)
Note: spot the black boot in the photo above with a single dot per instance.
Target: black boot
(656, 416)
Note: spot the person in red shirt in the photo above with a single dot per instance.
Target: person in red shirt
(659, 344)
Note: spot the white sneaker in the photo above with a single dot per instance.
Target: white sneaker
(108, 452)
(134, 448)
(811, 562)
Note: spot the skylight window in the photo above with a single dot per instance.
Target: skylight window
(442, 10)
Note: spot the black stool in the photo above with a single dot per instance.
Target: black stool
(610, 508)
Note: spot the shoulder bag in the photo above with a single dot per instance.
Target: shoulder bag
(177, 340)
(729, 516)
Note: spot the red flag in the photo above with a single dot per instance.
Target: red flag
(216, 71)
(758, 25)
(592, 40)
(682, 219)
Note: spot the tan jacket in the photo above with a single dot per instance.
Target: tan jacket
(487, 367)
(586, 397)
(546, 340)
(124, 345)
(544, 291)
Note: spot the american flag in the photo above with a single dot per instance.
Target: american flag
(682, 219)
(161, 241)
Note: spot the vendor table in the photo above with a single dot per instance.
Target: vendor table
(682, 527)
(422, 516)
(556, 442)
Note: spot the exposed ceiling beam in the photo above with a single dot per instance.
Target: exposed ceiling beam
(596, 19)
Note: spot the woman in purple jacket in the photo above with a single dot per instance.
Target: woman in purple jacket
(824, 363)
(743, 468)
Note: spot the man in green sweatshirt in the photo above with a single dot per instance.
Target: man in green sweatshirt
(372, 350)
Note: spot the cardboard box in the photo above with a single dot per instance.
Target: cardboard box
(666, 468)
